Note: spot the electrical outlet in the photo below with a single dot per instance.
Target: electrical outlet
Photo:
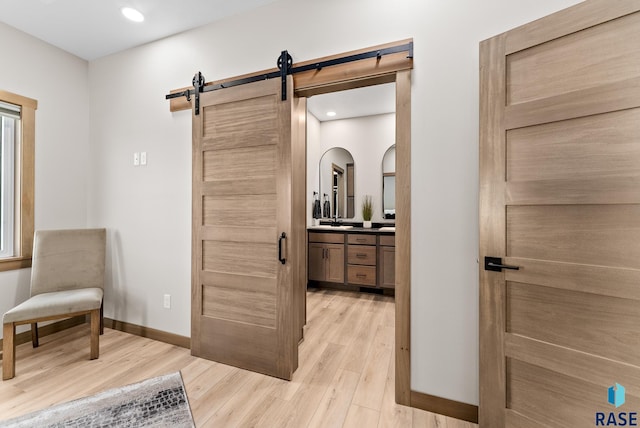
(136, 159)
(143, 158)
(167, 301)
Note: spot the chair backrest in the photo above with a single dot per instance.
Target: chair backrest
(68, 260)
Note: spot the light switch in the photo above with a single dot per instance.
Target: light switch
(143, 158)
(167, 301)
(136, 159)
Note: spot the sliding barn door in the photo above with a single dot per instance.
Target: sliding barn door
(560, 199)
(246, 228)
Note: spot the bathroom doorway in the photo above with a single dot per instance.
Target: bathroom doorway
(363, 183)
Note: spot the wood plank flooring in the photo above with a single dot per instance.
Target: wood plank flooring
(345, 378)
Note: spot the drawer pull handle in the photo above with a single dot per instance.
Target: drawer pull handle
(361, 275)
(361, 255)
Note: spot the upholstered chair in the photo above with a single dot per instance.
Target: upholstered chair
(67, 280)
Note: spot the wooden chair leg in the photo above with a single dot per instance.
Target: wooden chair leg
(34, 335)
(95, 334)
(8, 351)
(102, 318)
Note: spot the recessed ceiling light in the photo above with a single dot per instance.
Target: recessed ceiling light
(132, 14)
(331, 113)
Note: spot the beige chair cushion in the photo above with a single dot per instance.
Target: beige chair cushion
(54, 304)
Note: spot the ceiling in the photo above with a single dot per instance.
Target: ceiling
(91, 29)
(367, 101)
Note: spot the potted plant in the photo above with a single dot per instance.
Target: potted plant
(367, 211)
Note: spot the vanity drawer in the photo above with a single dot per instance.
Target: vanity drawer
(327, 238)
(361, 239)
(363, 275)
(388, 240)
(361, 255)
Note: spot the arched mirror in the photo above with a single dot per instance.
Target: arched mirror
(389, 183)
(337, 190)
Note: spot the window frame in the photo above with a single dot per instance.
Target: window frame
(25, 183)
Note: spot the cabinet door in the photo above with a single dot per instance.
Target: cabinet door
(388, 267)
(334, 263)
(316, 262)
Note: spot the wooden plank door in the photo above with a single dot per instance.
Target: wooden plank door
(560, 199)
(246, 157)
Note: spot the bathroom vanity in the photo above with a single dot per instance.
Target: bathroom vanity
(351, 257)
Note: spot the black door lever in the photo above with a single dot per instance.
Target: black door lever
(495, 264)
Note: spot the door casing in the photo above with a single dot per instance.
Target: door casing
(402, 79)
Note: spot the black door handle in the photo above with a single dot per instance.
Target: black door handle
(495, 264)
(282, 259)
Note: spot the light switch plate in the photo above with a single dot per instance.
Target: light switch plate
(136, 159)
(143, 158)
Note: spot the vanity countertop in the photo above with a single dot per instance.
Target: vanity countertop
(352, 229)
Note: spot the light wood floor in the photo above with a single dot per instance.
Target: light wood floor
(345, 378)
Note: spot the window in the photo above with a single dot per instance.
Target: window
(17, 147)
(9, 127)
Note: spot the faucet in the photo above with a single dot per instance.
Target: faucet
(335, 222)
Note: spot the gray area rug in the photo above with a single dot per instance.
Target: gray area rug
(157, 402)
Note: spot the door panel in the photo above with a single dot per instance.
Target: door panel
(595, 56)
(241, 258)
(607, 281)
(234, 123)
(225, 165)
(529, 395)
(243, 308)
(589, 234)
(255, 307)
(603, 326)
(599, 147)
(256, 211)
(560, 198)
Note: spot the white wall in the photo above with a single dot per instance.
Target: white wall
(148, 209)
(389, 160)
(367, 139)
(313, 152)
(59, 82)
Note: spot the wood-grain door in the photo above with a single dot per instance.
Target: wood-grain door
(560, 199)
(246, 158)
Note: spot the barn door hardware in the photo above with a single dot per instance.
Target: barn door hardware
(285, 68)
(281, 258)
(198, 85)
(284, 64)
